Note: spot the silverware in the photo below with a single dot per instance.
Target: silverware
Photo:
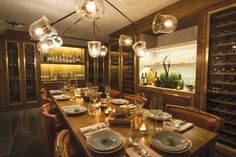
(141, 151)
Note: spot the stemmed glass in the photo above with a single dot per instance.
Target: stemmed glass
(107, 91)
(155, 109)
(94, 97)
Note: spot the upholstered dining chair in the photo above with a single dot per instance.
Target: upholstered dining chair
(199, 118)
(50, 124)
(132, 98)
(64, 147)
(114, 93)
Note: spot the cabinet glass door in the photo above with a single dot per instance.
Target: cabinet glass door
(30, 78)
(12, 53)
(114, 66)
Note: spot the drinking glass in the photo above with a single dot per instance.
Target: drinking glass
(154, 108)
(130, 113)
(107, 91)
(94, 95)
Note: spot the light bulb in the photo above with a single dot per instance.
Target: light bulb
(91, 7)
(103, 51)
(94, 48)
(57, 41)
(38, 31)
(90, 10)
(125, 40)
(168, 23)
(45, 45)
(140, 48)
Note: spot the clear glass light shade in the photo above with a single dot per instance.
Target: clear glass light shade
(140, 48)
(103, 51)
(90, 9)
(125, 40)
(164, 23)
(94, 48)
(57, 41)
(41, 29)
(45, 45)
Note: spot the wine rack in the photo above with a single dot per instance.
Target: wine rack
(91, 68)
(128, 70)
(221, 92)
(30, 73)
(114, 66)
(101, 67)
(13, 73)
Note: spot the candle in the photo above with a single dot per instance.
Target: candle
(106, 112)
(178, 87)
(143, 127)
(114, 110)
(109, 109)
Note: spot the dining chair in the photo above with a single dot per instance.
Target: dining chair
(114, 93)
(64, 146)
(132, 98)
(199, 118)
(50, 124)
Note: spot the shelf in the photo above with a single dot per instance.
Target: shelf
(62, 63)
(226, 93)
(221, 64)
(224, 54)
(222, 111)
(224, 44)
(229, 122)
(224, 15)
(54, 80)
(175, 64)
(222, 102)
(224, 25)
(227, 141)
(229, 132)
(223, 73)
(223, 83)
(224, 35)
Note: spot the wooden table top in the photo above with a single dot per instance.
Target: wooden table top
(199, 137)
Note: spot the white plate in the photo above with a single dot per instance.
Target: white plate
(74, 109)
(108, 152)
(119, 101)
(161, 117)
(55, 91)
(105, 140)
(62, 97)
(170, 141)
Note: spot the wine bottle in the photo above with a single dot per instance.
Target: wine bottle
(145, 79)
(142, 79)
(45, 58)
(180, 84)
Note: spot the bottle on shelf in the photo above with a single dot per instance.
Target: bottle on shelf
(45, 58)
(145, 79)
(180, 84)
(142, 79)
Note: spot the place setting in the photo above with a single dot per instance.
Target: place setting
(74, 109)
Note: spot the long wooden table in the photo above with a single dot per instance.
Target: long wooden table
(203, 141)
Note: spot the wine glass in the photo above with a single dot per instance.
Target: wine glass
(155, 109)
(107, 91)
(94, 95)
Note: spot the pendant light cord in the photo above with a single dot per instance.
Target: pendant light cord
(135, 31)
(94, 24)
(63, 18)
(70, 26)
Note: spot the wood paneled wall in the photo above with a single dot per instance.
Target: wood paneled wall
(189, 13)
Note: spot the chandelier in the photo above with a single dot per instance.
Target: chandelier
(91, 10)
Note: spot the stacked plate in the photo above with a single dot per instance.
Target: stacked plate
(55, 91)
(105, 141)
(74, 109)
(119, 101)
(162, 116)
(171, 142)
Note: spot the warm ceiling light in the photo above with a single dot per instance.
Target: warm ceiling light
(94, 48)
(57, 41)
(90, 9)
(125, 40)
(164, 23)
(140, 48)
(103, 51)
(45, 45)
(41, 29)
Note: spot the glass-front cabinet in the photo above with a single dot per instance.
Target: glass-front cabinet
(21, 74)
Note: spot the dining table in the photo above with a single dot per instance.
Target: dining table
(203, 141)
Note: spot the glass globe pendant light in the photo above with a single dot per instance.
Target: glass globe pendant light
(125, 40)
(164, 23)
(90, 9)
(45, 45)
(140, 48)
(57, 41)
(103, 51)
(94, 48)
(41, 29)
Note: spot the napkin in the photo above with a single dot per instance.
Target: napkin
(131, 152)
(86, 131)
(129, 106)
(184, 127)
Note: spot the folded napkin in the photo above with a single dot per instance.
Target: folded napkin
(86, 131)
(132, 153)
(184, 127)
(55, 91)
(129, 106)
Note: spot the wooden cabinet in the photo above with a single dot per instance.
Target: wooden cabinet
(21, 79)
(122, 68)
(221, 87)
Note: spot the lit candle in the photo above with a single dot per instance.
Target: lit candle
(178, 87)
(114, 110)
(109, 109)
(106, 112)
(97, 105)
(143, 127)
